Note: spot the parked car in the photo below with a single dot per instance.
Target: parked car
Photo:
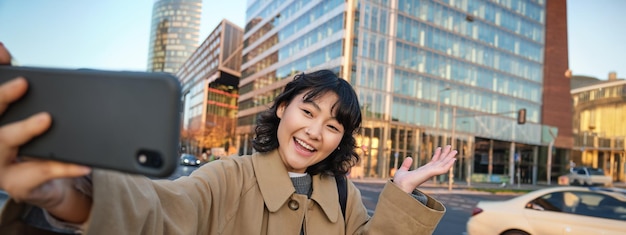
(189, 160)
(588, 176)
(556, 210)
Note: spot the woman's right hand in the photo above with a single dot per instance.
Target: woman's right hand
(43, 183)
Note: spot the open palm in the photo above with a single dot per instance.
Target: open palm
(442, 161)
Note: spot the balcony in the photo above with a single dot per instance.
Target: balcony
(594, 141)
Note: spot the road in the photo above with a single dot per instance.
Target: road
(459, 207)
(459, 203)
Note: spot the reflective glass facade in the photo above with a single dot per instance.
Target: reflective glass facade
(283, 38)
(431, 73)
(488, 68)
(174, 33)
(427, 73)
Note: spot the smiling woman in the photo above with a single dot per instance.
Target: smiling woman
(311, 113)
(305, 142)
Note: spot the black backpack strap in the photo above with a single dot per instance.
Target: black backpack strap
(342, 190)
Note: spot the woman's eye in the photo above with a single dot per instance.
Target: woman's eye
(334, 128)
(306, 112)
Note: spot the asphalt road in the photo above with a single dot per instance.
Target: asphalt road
(459, 207)
(459, 203)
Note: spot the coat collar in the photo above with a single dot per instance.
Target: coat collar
(276, 187)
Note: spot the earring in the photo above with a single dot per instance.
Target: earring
(338, 148)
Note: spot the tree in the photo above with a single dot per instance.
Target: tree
(208, 135)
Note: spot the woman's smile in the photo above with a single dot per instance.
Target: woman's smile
(303, 146)
(308, 131)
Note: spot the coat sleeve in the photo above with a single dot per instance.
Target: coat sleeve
(397, 212)
(127, 204)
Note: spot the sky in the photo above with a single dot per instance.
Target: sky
(114, 34)
(97, 34)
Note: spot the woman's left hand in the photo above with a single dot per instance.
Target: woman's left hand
(442, 161)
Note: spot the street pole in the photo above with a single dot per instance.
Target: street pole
(549, 163)
(437, 122)
(467, 160)
(512, 156)
(549, 158)
(450, 172)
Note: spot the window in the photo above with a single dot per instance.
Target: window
(583, 203)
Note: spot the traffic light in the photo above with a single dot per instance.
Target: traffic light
(521, 116)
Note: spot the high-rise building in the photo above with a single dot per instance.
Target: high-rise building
(210, 79)
(174, 33)
(599, 117)
(428, 73)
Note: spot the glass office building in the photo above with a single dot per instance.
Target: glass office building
(428, 73)
(209, 81)
(174, 33)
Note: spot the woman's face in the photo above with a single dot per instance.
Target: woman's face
(308, 131)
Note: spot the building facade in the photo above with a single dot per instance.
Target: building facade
(428, 73)
(599, 117)
(210, 79)
(174, 33)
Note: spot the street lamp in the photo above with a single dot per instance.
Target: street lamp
(447, 88)
(468, 162)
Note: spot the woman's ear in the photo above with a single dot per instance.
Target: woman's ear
(280, 110)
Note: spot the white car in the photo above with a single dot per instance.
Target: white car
(557, 210)
(588, 176)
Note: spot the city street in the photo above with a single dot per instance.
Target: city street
(459, 203)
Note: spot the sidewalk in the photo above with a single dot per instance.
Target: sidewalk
(463, 185)
(619, 184)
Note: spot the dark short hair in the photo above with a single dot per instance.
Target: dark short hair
(347, 112)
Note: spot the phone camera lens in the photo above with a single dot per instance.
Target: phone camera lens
(142, 158)
(149, 158)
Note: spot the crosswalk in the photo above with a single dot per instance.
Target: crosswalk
(456, 202)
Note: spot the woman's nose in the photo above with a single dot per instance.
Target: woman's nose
(313, 132)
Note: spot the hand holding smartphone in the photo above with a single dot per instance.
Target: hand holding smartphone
(126, 121)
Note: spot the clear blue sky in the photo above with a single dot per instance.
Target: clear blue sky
(114, 34)
(99, 34)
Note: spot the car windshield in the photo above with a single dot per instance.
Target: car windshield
(595, 171)
(188, 156)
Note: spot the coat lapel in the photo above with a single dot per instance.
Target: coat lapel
(274, 183)
(326, 195)
(276, 187)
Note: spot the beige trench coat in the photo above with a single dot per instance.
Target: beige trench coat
(239, 195)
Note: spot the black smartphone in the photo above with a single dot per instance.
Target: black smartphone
(125, 121)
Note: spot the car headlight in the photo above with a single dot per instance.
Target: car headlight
(185, 161)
